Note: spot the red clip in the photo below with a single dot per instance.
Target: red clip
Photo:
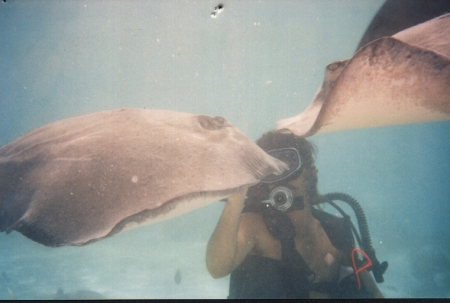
(365, 266)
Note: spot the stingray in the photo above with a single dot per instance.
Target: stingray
(78, 180)
(397, 15)
(393, 80)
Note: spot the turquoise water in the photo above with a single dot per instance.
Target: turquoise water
(255, 63)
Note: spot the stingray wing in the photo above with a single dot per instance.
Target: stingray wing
(393, 80)
(81, 179)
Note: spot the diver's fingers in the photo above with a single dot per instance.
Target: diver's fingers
(239, 196)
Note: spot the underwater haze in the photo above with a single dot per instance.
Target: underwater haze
(254, 63)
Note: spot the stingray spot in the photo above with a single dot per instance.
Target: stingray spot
(134, 179)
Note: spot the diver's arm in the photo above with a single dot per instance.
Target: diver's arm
(228, 244)
(370, 284)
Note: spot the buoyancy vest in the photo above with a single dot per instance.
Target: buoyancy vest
(260, 277)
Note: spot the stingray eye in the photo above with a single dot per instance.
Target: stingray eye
(334, 66)
(211, 123)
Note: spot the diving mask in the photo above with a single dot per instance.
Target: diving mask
(281, 198)
(291, 157)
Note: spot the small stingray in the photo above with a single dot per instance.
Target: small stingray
(178, 277)
(78, 180)
(393, 80)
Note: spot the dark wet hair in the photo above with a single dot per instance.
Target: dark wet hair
(276, 140)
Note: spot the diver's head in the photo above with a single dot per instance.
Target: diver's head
(300, 179)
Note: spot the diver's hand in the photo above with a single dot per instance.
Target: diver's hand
(223, 245)
(238, 197)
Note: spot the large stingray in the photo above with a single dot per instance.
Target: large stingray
(397, 15)
(79, 180)
(393, 80)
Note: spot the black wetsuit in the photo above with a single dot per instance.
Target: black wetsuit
(261, 277)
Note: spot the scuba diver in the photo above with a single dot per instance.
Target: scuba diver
(276, 243)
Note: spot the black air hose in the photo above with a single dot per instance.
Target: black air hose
(360, 216)
(366, 242)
